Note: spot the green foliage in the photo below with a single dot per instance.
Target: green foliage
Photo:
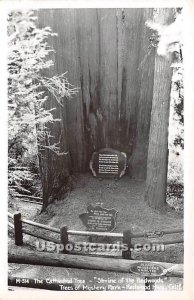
(28, 57)
(176, 129)
(176, 121)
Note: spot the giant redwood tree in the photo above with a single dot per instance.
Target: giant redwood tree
(157, 162)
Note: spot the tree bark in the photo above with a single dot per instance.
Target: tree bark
(105, 52)
(22, 256)
(157, 162)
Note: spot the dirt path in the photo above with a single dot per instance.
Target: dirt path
(126, 196)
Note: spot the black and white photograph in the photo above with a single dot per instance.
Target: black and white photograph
(95, 100)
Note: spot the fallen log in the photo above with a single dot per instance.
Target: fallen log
(30, 197)
(22, 256)
(30, 201)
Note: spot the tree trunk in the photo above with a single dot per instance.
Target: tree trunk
(23, 256)
(157, 162)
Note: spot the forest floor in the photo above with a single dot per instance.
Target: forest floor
(125, 196)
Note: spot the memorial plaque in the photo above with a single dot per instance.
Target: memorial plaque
(99, 219)
(108, 162)
(147, 269)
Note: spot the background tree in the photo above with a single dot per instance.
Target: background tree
(28, 89)
(168, 40)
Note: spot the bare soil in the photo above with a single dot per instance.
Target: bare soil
(124, 195)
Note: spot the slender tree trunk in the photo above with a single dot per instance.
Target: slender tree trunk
(157, 162)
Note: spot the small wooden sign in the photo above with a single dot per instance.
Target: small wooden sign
(147, 269)
(109, 163)
(99, 219)
(154, 234)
